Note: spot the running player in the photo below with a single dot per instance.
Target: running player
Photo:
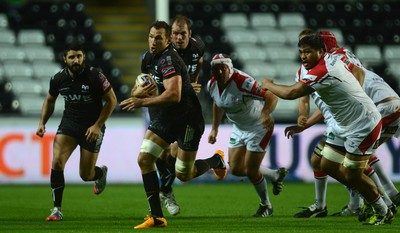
(191, 50)
(359, 128)
(248, 107)
(84, 89)
(175, 115)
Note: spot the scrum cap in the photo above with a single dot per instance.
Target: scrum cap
(222, 59)
(329, 40)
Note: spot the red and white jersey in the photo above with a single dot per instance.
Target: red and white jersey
(374, 85)
(242, 99)
(341, 92)
(328, 119)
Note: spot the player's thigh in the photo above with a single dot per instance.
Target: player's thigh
(186, 156)
(63, 147)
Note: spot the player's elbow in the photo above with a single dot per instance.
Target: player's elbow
(175, 98)
(290, 95)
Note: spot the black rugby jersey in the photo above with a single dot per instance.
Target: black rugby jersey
(82, 94)
(192, 54)
(164, 66)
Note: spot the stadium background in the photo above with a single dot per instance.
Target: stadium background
(115, 35)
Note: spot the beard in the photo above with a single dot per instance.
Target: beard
(76, 68)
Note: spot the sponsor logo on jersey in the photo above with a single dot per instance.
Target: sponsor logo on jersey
(76, 98)
(168, 70)
(169, 60)
(85, 88)
(106, 84)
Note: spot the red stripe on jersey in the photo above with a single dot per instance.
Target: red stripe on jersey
(265, 140)
(255, 89)
(213, 82)
(386, 121)
(316, 73)
(371, 139)
(340, 51)
(344, 57)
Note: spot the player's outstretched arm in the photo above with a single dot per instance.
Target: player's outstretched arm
(218, 113)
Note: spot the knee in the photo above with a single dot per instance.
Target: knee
(146, 162)
(57, 165)
(85, 176)
(184, 177)
(236, 171)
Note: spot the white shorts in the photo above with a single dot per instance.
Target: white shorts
(390, 119)
(361, 138)
(331, 136)
(255, 140)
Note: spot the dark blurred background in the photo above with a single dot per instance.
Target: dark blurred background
(260, 37)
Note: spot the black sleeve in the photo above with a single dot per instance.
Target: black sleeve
(54, 83)
(199, 45)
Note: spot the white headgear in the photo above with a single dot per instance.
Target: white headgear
(222, 59)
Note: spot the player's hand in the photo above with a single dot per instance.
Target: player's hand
(292, 130)
(265, 83)
(143, 90)
(212, 137)
(131, 103)
(93, 133)
(196, 87)
(41, 130)
(267, 121)
(302, 121)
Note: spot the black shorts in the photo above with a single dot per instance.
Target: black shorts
(187, 132)
(78, 131)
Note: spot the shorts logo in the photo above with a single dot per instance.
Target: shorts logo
(189, 133)
(232, 141)
(331, 136)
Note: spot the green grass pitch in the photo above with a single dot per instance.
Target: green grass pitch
(211, 207)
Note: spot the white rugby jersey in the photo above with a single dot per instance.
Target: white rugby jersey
(374, 85)
(242, 99)
(340, 91)
(328, 119)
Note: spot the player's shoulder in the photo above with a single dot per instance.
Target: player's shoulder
(197, 43)
(94, 72)
(146, 56)
(211, 83)
(60, 74)
(240, 77)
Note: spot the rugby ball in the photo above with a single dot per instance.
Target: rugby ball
(147, 79)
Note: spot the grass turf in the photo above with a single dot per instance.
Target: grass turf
(216, 207)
